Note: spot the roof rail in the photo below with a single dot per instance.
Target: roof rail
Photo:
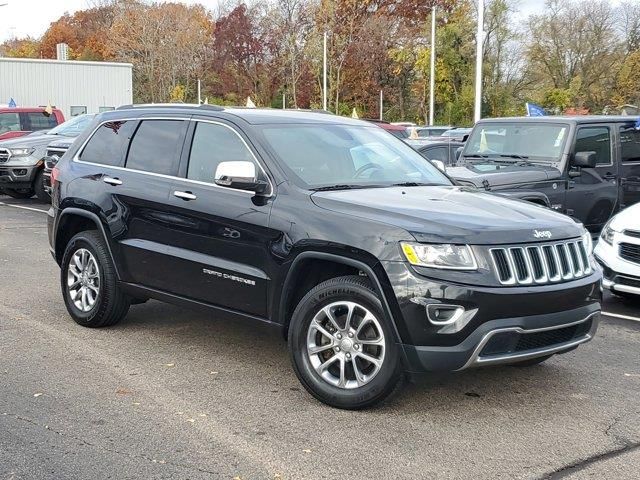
(214, 108)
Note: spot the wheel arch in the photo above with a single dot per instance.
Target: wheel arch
(288, 292)
(66, 229)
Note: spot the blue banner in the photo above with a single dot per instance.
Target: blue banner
(637, 126)
(12, 103)
(534, 110)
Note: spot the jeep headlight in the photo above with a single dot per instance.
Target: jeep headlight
(22, 152)
(445, 256)
(608, 232)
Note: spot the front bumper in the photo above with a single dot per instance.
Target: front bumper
(620, 275)
(509, 340)
(17, 176)
(498, 325)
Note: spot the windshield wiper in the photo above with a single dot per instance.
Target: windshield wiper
(415, 184)
(475, 155)
(514, 155)
(343, 187)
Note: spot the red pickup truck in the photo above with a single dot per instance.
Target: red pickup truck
(16, 122)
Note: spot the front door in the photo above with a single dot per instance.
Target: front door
(630, 164)
(221, 245)
(592, 196)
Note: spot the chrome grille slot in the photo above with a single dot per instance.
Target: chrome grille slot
(4, 155)
(537, 264)
(540, 264)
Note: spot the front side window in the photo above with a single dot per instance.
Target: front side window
(328, 155)
(213, 143)
(528, 140)
(595, 139)
(156, 146)
(9, 122)
(41, 121)
(630, 144)
(437, 153)
(108, 144)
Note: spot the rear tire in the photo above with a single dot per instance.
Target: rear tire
(89, 282)
(21, 194)
(38, 186)
(348, 357)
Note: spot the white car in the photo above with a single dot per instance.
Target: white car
(618, 252)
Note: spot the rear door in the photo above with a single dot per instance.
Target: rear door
(593, 196)
(147, 225)
(629, 147)
(221, 250)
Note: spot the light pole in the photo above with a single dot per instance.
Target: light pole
(479, 44)
(324, 73)
(433, 66)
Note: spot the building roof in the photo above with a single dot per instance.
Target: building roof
(67, 62)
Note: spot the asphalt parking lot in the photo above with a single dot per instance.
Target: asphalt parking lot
(171, 393)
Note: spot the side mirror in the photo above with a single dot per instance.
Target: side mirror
(585, 160)
(240, 175)
(439, 164)
(459, 152)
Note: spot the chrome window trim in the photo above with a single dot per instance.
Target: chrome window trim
(76, 157)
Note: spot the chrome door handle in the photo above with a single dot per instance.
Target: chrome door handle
(184, 195)
(112, 181)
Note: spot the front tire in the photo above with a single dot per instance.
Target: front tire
(342, 345)
(89, 282)
(38, 186)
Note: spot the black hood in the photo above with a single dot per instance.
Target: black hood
(451, 214)
(487, 175)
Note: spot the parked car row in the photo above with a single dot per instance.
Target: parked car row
(372, 261)
(22, 159)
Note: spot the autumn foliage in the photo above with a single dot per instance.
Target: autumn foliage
(271, 50)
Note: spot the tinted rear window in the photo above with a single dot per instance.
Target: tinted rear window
(108, 144)
(156, 146)
(41, 121)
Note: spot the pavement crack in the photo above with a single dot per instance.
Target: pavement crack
(144, 457)
(625, 445)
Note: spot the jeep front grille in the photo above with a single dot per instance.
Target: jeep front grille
(541, 263)
(59, 151)
(4, 155)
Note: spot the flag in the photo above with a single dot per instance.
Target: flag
(49, 109)
(12, 103)
(637, 125)
(534, 110)
(483, 142)
(250, 103)
(206, 100)
(354, 114)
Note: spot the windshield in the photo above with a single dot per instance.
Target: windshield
(518, 140)
(347, 156)
(73, 127)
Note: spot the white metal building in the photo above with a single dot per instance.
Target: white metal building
(72, 86)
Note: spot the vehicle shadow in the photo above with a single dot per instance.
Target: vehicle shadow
(260, 353)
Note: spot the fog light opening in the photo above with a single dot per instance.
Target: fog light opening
(439, 314)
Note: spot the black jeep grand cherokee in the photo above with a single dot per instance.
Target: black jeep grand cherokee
(367, 256)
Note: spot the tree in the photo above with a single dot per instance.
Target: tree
(576, 40)
(21, 48)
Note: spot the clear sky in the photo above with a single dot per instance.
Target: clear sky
(32, 17)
